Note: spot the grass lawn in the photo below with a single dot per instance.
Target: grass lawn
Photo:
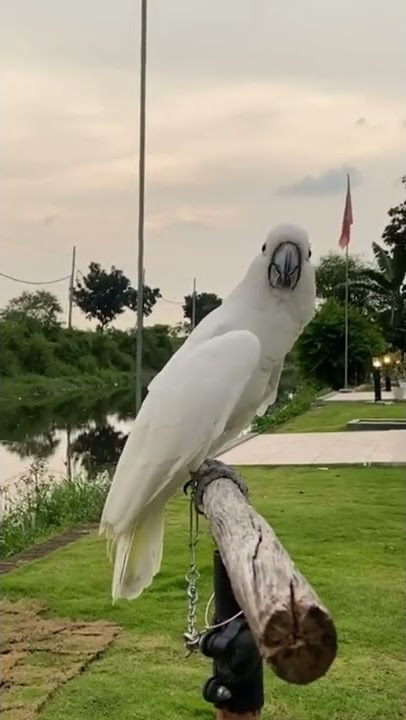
(333, 417)
(343, 527)
(38, 387)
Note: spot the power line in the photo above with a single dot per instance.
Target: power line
(33, 282)
(171, 302)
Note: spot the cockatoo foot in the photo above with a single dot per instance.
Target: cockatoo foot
(209, 471)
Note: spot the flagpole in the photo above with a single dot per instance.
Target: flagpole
(141, 203)
(346, 322)
(344, 242)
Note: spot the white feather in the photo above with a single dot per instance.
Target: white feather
(171, 436)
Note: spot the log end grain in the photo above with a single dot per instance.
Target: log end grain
(300, 652)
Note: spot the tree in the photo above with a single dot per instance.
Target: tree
(394, 234)
(388, 283)
(40, 307)
(331, 276)
(149, 298)
(103, 295)
(321, 345)
(205, 303)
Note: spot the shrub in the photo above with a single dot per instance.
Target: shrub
(321, 346)
(44, 505)
(27, 349)
(301, 401)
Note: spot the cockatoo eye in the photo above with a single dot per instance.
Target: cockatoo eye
(263, 247)
(310, 254)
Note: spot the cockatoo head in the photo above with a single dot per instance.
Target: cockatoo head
(286, 255)
(282, 274)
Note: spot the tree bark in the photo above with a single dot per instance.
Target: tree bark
(293, 630)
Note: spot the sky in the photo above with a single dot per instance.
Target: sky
(255, 112)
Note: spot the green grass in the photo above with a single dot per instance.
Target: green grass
(332, 417)
(34, 387)
(345, 530)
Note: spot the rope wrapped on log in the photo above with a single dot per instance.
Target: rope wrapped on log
(294, 632)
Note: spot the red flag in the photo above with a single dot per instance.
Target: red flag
(344, 240)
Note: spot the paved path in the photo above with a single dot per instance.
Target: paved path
(361, 396)
(329, 448)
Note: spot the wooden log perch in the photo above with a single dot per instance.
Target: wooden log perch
(293, 630)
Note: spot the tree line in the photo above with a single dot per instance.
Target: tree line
(33, 339)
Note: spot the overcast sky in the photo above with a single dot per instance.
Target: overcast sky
(255, 110)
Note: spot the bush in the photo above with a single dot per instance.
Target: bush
(321, 346)
(27, 349)
(10, 367)
(45, 505)
(301, 401)
(38, 356)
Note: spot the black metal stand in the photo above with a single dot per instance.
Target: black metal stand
(377, 385)
(237, 681)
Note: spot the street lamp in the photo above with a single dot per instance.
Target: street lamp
(376, 364)
(387, 360)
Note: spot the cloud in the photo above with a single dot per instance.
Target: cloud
(329, 182)
(48, 220)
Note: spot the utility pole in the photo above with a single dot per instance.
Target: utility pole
(193, 323)
(71, 284)
(141, 205)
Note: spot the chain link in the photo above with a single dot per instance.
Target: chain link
(192, 636)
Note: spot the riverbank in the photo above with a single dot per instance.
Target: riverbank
(43, 508)
(38, 387)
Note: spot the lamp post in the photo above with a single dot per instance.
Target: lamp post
(387, 363)
(376, 364)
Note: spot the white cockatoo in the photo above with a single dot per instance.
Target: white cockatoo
(226, 372)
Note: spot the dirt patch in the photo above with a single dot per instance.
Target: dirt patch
(38, 655)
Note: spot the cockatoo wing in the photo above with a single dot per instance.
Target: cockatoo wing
(183, 414)
(272, 388)
(180, 419)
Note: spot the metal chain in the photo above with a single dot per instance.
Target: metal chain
(193, 636)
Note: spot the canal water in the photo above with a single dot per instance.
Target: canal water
(82, 433)
(67, 434)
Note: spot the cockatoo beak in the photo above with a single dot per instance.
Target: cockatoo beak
(284, 270)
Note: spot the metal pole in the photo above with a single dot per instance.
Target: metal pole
(141, 204)
(346, 323)
(377, 385)
(193, 324)
(68, 452)
(71, 283)
(236, 689)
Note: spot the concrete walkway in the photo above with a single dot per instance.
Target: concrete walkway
(361, 396)
(329, 448)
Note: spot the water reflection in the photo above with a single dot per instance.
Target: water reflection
(86, 432)
(76, 433)
(98, 448)
(39, 446)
